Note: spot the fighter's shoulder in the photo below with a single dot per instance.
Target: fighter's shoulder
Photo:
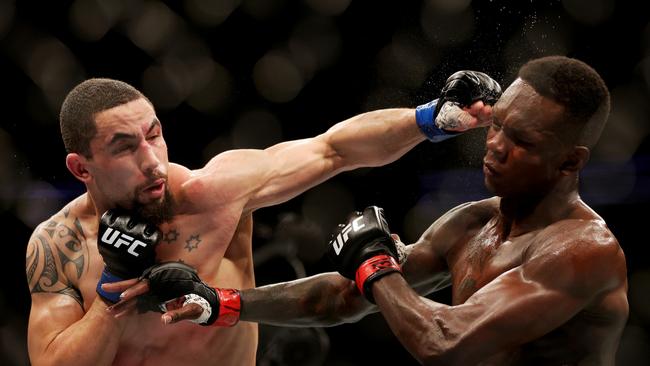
(58, 228)
(589, 233)
(587, 247)
(464, 217)
(57, 252)
(225, 178)
(473, 213)
(236, 161)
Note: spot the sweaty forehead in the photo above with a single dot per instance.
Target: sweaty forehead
(520, 103)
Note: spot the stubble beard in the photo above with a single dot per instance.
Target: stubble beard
(156, 212)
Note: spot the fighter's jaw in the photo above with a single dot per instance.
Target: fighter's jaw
(149, 199)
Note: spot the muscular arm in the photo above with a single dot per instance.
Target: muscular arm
(370, 139)
(330, 299)
(518, 306)
(60, 332)
(326, 299)
(260, 178)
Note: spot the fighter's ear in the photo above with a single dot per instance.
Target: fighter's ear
(575, 160)
(78, 166)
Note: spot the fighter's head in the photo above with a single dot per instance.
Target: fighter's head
(115, 146)
(544, 125)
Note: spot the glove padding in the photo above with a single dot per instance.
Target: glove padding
(127, 244)
(172, 280)
(363, 250)
(439, 119)
(466, 87)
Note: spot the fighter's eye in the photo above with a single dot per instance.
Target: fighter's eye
(123, 148)
(523, 143)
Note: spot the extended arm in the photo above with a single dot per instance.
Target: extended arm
(326, 299)
(261, 178)
(329, 299)
(285, 170)
(371, 139)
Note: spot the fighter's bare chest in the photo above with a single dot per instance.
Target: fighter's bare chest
(194, 240)
(188, 239)
(482, 258)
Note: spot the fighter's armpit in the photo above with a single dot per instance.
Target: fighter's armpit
(56, 258)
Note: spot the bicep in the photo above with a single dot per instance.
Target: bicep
(524, 303)
(291, 168)
(426, 268)
(513, 310)
(50, 315)
(56, 304)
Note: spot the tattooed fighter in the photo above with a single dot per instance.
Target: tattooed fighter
(116, 149)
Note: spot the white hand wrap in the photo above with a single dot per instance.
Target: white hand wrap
(401, 251)
(207, 309)
(452, 118)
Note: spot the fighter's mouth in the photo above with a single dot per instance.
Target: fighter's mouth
(489, 168)
(158, 184)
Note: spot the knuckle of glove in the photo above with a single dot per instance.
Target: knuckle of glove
(486, 89)
(172, 279)
(466, 87)
(168, 281)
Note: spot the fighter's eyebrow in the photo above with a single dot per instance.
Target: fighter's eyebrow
(121, 136)
(125, 136)
(155, 122)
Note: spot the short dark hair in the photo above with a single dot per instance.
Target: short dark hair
(576, 86)
(77, 117)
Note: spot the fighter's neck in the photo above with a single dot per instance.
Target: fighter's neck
(94, 203)
(520, 215)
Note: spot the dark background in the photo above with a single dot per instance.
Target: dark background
(251, 73)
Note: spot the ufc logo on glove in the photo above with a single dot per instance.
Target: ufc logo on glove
(342, 238)
(117, 239)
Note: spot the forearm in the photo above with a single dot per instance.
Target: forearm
(425, 328)
(322, 300)
(92, 340)
(374, 138)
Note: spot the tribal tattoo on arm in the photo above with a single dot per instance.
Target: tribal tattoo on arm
(57, 256)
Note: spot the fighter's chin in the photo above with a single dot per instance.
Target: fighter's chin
(492, 187)
(156, 209)
(501, 191)
(146, 200)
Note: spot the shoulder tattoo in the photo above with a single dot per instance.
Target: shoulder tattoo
(57, 256)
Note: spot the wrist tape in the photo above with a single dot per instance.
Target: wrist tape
(424, 117)
(371, 270)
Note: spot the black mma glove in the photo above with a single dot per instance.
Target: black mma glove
(438, 120)
(363, 250)
(171, 280)
(127, 245)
